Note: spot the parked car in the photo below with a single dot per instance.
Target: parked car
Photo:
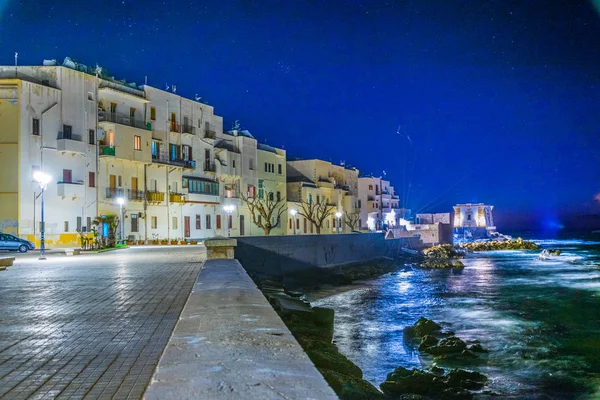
(10, 242)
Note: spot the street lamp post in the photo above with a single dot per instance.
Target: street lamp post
(42, 179)
(294, 212)
(121, 201)
(339, 218)
(229, 209)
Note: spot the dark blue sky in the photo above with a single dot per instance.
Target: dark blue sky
(501, 100)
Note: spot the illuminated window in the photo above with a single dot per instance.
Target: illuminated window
(137, 142)
(153, 113)
(154, 222)
(198, 219)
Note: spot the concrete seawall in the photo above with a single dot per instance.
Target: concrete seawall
(281, 255)
(229, 343)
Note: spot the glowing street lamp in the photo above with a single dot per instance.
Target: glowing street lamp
(121, 201)
(294, 212)
(229, 209)
(339, 217)
(42, 179)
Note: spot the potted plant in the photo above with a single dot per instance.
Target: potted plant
(174, 241)
(183, 242)
(141, 242)
(155, 240)
(129, 242)
(164, 242)
(193, 242)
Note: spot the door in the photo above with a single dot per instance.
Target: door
(242, 227)
(186, 227)
(11, 242)
(67, 175)
(112, 185)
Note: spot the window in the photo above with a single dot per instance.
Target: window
(35, 127)
(298, 223)
(187, 152)
(370, 187)
(155, 149)
(113, 108)
(132, 113)
(78, 224)
(251, 164)
(290, 224)
(174, 223)
(91, 179)
(279, 169)
(120, 181)
(91, 136)
(359, 206)
(469, 217)
(233, 163)
(333, 222)
(199, 122)
(266, 167)
(89, 224)
(67, 175)
(230, 221)
(261, 189)
(218, 222)
(153, 222)
(153, 113)
(137, 143)
(251, 191)
(259, 219)
(279, 222)
(186, 122)
(90, 96)
(208, 222)
(67, 131)
(271, 196)
(310, 198)
(174, 152)
(198, 219)
(304, 225)
(134, 222)
(278, 196)
(66, 226)
(318, 199)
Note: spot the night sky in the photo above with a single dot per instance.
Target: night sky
(500, 100)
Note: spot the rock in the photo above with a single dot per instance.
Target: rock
(460, 378)
(443, 251)
(437, 371)
(554, 252)
(449, 345)
(453, 394)
(518, 244)
(477, 348)
(440, 263)
(427, 341)
(422, 327)
(418, 382)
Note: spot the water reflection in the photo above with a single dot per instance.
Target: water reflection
(539, 319)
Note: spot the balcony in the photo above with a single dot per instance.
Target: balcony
(210, 166)
(176, 198)
(189, 129)
(107, 151)
(70, 189)
(155, 197)
(70, 143)
(123, 119)
(208, 134)
(129, 194)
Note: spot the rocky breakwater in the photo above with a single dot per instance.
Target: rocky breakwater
(313, 329)
(442, 256)
(436, 382)
(518, 244)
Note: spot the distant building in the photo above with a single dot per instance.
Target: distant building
(379, 204)
(474, 220)
(430, 229)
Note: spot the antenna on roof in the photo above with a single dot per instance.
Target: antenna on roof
(167, 87)
(146, 80)
(384, 174)
(342, 163)
(16, 63)
(236, 124)
(174, 89)
(98, 70)
(197, 98)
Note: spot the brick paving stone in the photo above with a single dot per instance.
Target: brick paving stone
(91, 326)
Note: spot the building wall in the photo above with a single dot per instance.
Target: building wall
(9, 155)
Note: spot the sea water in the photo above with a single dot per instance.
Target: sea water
(540, 320)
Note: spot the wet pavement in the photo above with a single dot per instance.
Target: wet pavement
(91, 326)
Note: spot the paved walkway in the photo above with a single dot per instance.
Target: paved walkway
(90, 326)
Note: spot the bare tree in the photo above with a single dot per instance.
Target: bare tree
(265, 212)
(316, 212)
(351, 220)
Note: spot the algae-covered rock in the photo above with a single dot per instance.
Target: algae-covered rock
(451, 345)
(422, 327)
(440, 263)
(443, 251)
(418, 382)
(427, 341)
(463, 379)
(477, 348)
(518, 244)
(554, 252)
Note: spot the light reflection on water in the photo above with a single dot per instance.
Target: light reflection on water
(539, 319)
